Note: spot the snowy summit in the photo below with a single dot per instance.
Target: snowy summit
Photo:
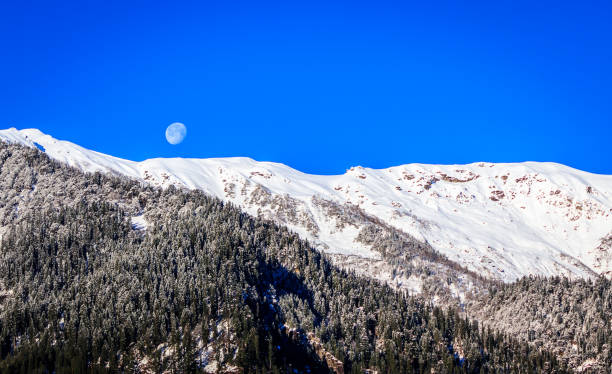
(502, 221)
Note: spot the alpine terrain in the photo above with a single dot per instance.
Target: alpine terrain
(234, 265)
(502, 221)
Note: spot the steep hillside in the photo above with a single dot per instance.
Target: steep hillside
(501, 221)
(571, 318)
(103, 274)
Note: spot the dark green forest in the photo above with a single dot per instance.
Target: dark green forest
(207, 287)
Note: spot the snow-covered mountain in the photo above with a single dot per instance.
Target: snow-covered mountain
(499, 220)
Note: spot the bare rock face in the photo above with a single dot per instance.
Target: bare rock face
(332, 362)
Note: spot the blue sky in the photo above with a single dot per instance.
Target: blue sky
(320, 86)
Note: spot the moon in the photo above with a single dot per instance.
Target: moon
(175, 133)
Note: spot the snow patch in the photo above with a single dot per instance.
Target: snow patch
(139, 223)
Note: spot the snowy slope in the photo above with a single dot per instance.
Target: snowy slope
(500, 220)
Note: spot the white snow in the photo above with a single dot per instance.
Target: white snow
(502, 220)
(139, 222)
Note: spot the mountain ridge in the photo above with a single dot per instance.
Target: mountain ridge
(205, 286)
(502, 221)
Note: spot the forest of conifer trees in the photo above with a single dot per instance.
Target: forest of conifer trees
(205, 287)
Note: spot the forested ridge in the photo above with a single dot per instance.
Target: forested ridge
(573, 319)
(203, 287)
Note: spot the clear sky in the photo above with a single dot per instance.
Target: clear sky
(320, 86)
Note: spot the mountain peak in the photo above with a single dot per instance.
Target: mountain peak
(500, 220)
